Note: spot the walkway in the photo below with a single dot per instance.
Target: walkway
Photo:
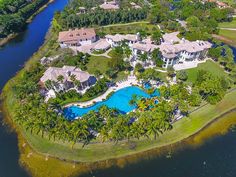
(188, 65)
(102, 54)
(119, 85)
(231, 29)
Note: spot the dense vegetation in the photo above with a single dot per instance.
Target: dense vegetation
(150, 119)
(101, 17)
(14, 14)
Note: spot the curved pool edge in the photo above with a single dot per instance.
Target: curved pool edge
(118, 100)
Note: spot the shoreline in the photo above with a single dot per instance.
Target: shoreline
(10, 37)
(21, 133)
(7, 94)
(85, 167)
(225, 40)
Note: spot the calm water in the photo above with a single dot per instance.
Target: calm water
(18, 51)
(12, 58)
(216, 158)
(119, 100)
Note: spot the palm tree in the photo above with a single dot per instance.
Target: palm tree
(49, 84)
(60, 79)
(73, 78)
(143, 57)
(77, 83)
(133, 101)
(127, 51)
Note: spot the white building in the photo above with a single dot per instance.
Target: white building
(61, 79)
(116, 40)
(77, 37)
(110, 5)
(173, 50)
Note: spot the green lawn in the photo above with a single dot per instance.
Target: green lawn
(94, 152)
(229, 34)
(228, 24)
(121, 75)
(98, 63)
(163, 76)
(128, 28)
(210, 66)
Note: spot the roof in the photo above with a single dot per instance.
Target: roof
(134, 5)
(119, 37)
(112, 5)
(73, 36)
(102, 45)
(169, 48)
(171, 37)
(143, 46)
(52, 74)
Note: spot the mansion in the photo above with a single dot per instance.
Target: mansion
(173, 49)
(77, 37)
(65, 78)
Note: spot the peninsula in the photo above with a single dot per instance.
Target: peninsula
(116, 78)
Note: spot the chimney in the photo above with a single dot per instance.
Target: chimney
(138, 36)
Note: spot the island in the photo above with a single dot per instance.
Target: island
(118, 78)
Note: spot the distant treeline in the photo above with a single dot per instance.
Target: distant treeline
(14, 14)
(102, 17)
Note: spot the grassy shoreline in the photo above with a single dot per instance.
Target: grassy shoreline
(72, 168)
(182, 129)
(60, 157)
(46, 147)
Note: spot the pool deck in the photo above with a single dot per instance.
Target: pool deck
(119, 85)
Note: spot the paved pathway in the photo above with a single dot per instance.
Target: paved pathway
(103, 54)
(188, 65)
(232, 29)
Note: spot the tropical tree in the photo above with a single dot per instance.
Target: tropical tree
(182, 75)
(60, 79)
(156, 37)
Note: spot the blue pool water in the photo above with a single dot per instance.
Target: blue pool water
(119, 100)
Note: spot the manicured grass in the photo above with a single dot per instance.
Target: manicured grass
(163, 76)
(231, 24)
(128, 28)
(99, 63)
(229, 34)
(101, 151)
(210, 66)
(121, 76)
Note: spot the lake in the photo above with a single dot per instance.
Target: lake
(12, 58)
(216, 158)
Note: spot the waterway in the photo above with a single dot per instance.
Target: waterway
(12, 58)
(216, 158)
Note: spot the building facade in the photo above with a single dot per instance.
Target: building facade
(65, 78)
(77, 37)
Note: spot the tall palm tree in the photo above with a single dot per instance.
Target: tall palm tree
(60, 79)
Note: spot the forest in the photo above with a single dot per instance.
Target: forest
(15, 13)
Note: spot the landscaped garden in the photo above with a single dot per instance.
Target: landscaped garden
(105, 131)
(231, 24)
(128, 28)
(209, 66)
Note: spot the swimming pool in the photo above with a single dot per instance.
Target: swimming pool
(119, 100)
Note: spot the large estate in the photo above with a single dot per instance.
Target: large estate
(118, 77)
(173, 50)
